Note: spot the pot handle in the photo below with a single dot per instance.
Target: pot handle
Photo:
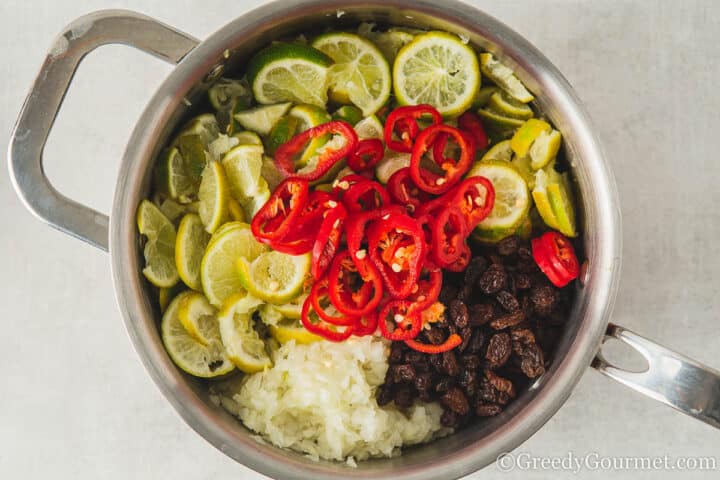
(671, 378)
(25, 154)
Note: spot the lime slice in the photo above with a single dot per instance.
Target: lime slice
(391, 163)
(236, 212)
(391, 42)
(504, 77)
(226, 91)
(482, 97)
(198, 318)
(526, 135)
(225, 227)
(542, 200)
(171, 176)
(544, 149)
(214, 193)
(360, 72)
(512, 199)
(348, 113)
(309, 116)
(242, 166)
(248, 138)
(503, 103)
(193, 151)
(522, 165)
(286, 72)
(261, 119)
(218, 271)
(270, 172)
(283, 130)
(159, 248)
(500, 151)
(221, 145)
(190, 355)
(192, 239)
(274, 276)
(498, 123)
(242, 343)
(439, 69)
(291, 309)
(252, 206)
(289, 329)
(553, 199)
(172, 209)
(369, 127)
(205, 125)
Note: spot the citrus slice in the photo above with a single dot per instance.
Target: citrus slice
(218, 271)
(198, 318)
(286, 72)
(348, 113)
(544, 149)
(187, 353)
(503, 103)
(205, 125)
(171, 176)
(360, 72)
(498, 123)
(291, 329)
(512, 199)
(159, 248)
(504, 77)
(542, 200)
(309, 116)
(391, 163)
(283, 130)
(439, 69)
(526, 135)
(292, 309)
(225, 227)
(261, 119)
(248, 138)
(190, 244)
(236, 212)
(213, 195)
(391, 42)
(270, 172)
(226, 91)
(482, 97)
(242, 343)
(172, 209)
(500, 151)
(553, 199)
(253, 205)
(166, 294)
(242, 166)
(369, 127)
(274, 276)
(489, 237)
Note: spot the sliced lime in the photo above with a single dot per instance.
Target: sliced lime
(500, 151)
(198, 317)
(553, 198)
(159, 248)
(283, 130)
(369, 127)
(171, 176)
(270, 172)
(482, 97)
(172, 209)
(391, 163)
(235, 210)
(192, 239)
(248, 138)
(544, 149)
(226, 91)
(213, 195)
(348, 113)
(309, 116)
(274, 276)
(242, 343)
(497, 123)
(242, 165)
(512, 199)
(503, 103)
(504, 77)
(261, 119)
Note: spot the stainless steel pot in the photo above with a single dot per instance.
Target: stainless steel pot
(669, 377)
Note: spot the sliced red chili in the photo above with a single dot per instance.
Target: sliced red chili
(470, 122)
(452, 341)
(449, 231)
(402, 189)
(276, 217)
(365, 196)
(403, 122)
(555, 256)
(314, 324)
(399, 320)
(475, 197)
(396, 246)
(285, 155)
(368, 153)
(321, 302)
(453, 169)
(301, 237)
(328, 240)
(342, 185)
(429, 285)
(355, 231)
(462, 262)
(354, 293)
(366, 325)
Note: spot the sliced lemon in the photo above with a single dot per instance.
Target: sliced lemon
(166, 294)
(172, 209)
(544, 149)
(391, 163)
(192, 239)
(248, 138)
(213, 195)
(186, 352)
(360, 72)
(526, 135)
(348, 113)
(286, 72)
(171, 176)
(289, 329)
(274, 277)
(369, 127)
(218, 272)
(252, 206)
(292, 309)
(503, 103)
(493, 236)
(439, 69)
(237, 214)
(500, 151)
(242, 343)
(482, 97)
(261, 119)
(159, 248)
(512, 199)
(309, 116)
(504, 77)
(226, 91)
(243, 166)
(553, 199)
(198, 317)
(497, 123)
(542, 200)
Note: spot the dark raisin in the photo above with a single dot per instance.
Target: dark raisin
(498, 350)
(385, 395)
(450, 363)
(448, 419)
(458, 313)
(502, 385)
(480, 314)
(471, 362)
(423, 381)
(396, 352)
(444, 384)
(474, 269)
(492, 280)
(468, 380)
(403, 373)
(465, 294)
(508, 301)
(486, 409)
(543, 298)
(477, 342)
(456, 401)
(524, 253)
(466, 335)
(508, 246)
(403, 397)
(447, 293)
(523, 281)
(508, 320)
(435, 336)
(532, 361)
(436, 362)
(413, 357)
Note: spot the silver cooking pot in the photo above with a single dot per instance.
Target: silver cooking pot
(669, 377)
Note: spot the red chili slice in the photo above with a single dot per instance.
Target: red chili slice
(351, 292)
(453, 169)
(355, 230)
(286, 153)
(368, 153)
(396, 246)
(555, 256)
(342, 185)
(403, 121)
(449, 231)
(399, 320)
(301, 237)
(475, 197)
(462, 262)
(470, 122)
(314, 324)
(280, 213)
(366, 325)
(403, 190)
(318, 293)
(428, 289)
(452, 341)
(365, 196)
(328, 240)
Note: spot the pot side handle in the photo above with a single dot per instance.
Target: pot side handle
(671, 378)
(25, 153)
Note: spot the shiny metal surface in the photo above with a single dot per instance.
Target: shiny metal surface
(670, 378)
(225, 52)
(25, 153)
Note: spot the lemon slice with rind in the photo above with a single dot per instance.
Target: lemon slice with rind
(242, 343)
(512, 199)
(261, 119)
(159, 251)
(190, 244)
(274, 276)
(198, 317)
(504, 77)
(213, 195)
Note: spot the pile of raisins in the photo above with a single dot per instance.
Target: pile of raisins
(509, 316)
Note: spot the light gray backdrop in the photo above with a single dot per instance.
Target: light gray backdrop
(75, 401)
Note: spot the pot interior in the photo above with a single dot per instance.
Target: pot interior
(225, 54)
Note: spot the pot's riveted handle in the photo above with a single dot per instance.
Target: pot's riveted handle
(25, 154)
(670, 378)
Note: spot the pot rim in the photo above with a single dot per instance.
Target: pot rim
(602, 236)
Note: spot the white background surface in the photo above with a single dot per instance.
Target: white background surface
(75, 401)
